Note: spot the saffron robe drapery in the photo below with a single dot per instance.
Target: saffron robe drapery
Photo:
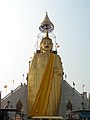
(42, 98)
(44, 85)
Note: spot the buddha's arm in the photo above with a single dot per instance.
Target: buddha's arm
(58, 66)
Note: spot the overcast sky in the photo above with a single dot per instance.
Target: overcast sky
(19, 23)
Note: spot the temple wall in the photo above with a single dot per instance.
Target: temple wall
(69, 93)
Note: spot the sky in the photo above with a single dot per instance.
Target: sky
(19, 28)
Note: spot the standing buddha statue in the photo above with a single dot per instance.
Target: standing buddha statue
(45, 77)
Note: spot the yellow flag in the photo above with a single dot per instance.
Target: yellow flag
(5, 86)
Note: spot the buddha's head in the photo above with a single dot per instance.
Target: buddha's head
(46, 44)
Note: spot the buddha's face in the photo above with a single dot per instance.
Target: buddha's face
(46, 45)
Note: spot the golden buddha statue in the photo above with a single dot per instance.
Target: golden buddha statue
(44, 81)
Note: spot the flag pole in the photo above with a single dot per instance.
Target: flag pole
(23, 78)
(83, 87)
(13, 85)
(5, 88)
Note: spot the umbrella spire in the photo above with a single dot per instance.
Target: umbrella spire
(46, 25)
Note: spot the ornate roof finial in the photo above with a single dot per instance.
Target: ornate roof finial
(46, 25)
